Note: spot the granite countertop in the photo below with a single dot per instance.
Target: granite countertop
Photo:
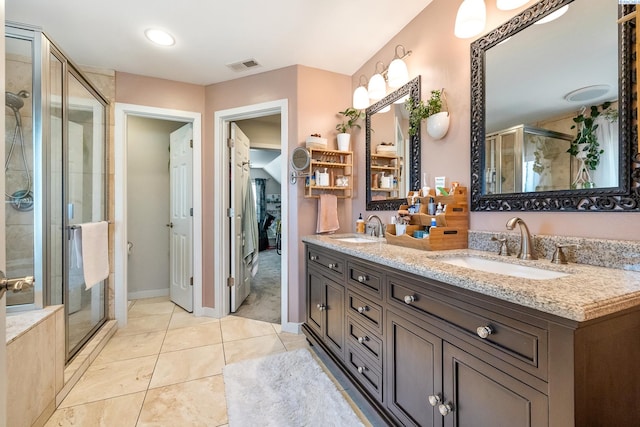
(586, 293)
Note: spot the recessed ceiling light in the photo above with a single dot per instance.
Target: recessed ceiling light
(160, 37)
(553, 16)
(587, 93)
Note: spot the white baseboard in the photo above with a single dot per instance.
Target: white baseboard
(292, 328)
(148, 294)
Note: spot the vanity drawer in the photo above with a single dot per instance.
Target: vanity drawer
(327, 262)
(521, 344)
(365, 278)
(368, 342)
(366, 374)
(369, 313)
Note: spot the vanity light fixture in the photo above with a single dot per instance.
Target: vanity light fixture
(377, 86)
(397, 73)
(360, 95)
(510, 4)
(159, 37)
(553, 16)
(471, 19)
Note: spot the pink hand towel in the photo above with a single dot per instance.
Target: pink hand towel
(327, 214)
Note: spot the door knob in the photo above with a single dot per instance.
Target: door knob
(362, 340)
(362, 279)
(408, 299)
(435, 400)
(445, 409)
(170, 225)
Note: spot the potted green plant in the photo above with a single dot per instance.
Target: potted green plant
(585, 146)
(432, 110)
(350, 118)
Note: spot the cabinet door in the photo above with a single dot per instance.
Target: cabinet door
(335, 317)
(315, 302)
(414, 372)
(480, 395)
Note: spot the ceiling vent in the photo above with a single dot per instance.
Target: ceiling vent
(244, 65)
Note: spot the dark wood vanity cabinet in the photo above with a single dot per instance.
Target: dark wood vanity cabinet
(425, 353)
(325, 310)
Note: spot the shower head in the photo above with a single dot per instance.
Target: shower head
(14, 101)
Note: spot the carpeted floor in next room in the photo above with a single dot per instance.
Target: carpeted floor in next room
(263, 303)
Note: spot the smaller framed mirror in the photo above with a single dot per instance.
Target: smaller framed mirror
(392, 155)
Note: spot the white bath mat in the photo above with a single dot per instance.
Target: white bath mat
(284, 390)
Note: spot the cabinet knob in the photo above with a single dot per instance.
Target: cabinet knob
(361, 369)
(484, 331)
(435, 400)
(363, 309)
(409, 299)
(321, 307)
(313, 258)
(363, 339)
(445, 409)
(362, 279)
(332, 266)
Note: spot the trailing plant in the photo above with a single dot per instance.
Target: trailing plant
(586, 140)
(419, 111)
(350, 118)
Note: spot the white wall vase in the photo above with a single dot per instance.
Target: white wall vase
(438, 125)
(343, 141)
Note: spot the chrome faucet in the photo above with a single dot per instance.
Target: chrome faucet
(380, 232)
(526, 244)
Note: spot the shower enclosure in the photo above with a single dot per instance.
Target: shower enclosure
(55, 173)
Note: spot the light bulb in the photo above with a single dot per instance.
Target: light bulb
(471, 19)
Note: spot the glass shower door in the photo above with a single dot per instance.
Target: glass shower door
(85, 203)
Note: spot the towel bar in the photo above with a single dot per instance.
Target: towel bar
(75, 227)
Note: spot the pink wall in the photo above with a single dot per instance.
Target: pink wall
(314, 97)
(160, 93)
(443, 62)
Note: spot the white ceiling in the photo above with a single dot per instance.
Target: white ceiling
(334, 35)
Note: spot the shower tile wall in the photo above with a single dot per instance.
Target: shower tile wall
(19, 225)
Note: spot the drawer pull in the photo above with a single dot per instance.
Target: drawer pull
(435, 400)
(484, 331)
(362, 279)
(409, 299)
(332, 266)
(361, 310)
(321, 307)
(362, 369)
(314, 258)
(445, 409)
(362, 340)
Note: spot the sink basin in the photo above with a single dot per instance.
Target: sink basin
(356, 239)
(515, 270)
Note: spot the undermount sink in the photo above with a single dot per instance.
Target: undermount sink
(515, 270)
(356, 239)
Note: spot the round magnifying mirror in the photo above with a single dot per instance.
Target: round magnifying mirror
(300, 159)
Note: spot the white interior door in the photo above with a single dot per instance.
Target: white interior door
(181, 221)
(240, 169)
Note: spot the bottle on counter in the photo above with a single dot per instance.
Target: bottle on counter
(360, 225)
(431, 206)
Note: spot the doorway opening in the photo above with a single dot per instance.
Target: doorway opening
(137, 182)
(222, 119)
(265, 163)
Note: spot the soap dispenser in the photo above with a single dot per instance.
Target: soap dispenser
(360, 225)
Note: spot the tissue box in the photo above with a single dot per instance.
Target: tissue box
(316, 142)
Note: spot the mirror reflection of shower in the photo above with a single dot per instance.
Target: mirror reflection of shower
(22, 198)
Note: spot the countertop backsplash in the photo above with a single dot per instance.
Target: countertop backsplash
(620, 254)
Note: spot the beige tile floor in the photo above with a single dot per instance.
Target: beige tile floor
(165, 369)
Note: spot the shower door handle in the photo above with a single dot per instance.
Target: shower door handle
(15, 285)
